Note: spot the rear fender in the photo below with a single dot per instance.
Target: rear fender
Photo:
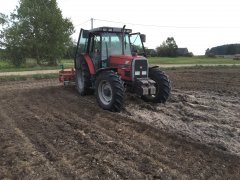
(90, 64)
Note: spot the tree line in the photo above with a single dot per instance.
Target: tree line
(227, 49)
(168, 48)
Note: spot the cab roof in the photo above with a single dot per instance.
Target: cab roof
(110, 29)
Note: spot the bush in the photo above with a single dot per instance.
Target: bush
(168, 48)
(16, 57)
(211, 55)
(190, 54)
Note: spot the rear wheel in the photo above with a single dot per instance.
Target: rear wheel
(109, 91)
(83, 77)
(163, 87)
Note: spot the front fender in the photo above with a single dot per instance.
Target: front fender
(152, 67)
(105, 69)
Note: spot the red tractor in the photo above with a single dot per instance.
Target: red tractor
(112, 60)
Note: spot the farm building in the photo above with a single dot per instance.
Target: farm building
(182, 51)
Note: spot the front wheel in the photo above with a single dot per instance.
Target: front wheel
(109, 91)
(163, 86)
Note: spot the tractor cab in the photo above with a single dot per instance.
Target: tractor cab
(105, 42)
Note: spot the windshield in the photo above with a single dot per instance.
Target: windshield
(112, 44)
(136, 44)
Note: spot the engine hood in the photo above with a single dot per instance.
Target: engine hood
(125, 60)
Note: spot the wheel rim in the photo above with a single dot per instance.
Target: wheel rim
(105, 92)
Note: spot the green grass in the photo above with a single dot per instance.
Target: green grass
(202, 67)
(31, 65)
(191, 60)
(28, 77)
(67, 62)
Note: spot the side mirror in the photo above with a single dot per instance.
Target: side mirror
(85, 34)
(143, 37)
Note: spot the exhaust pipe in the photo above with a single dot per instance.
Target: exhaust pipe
(123, 33)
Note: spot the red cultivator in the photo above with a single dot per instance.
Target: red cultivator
(67, 76)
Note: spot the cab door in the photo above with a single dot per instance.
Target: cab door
(82, 45)
(95, 50)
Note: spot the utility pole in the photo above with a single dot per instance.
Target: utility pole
(91, 23)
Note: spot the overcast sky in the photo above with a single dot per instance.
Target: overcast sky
(195, 24)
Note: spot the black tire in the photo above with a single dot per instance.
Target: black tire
(83, 77)
(163, 86)
(109, 91)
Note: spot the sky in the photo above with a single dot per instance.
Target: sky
(195, 24)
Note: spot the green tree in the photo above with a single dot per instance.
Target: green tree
(168, 48)
(3, 22)
(207, 52)
(3, 19)
(71, 50)
(150, 52)
(38, 30)
(231, 49)
(14, 46)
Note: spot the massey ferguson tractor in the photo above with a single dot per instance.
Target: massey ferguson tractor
(110, 61)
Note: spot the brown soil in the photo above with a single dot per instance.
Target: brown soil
(48, 131)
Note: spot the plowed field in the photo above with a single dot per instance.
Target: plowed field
(50, 132)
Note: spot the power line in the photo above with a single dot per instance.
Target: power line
(176, 27)
(83, 23)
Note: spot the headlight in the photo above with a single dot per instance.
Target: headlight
(137, 73)
(144, 72)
